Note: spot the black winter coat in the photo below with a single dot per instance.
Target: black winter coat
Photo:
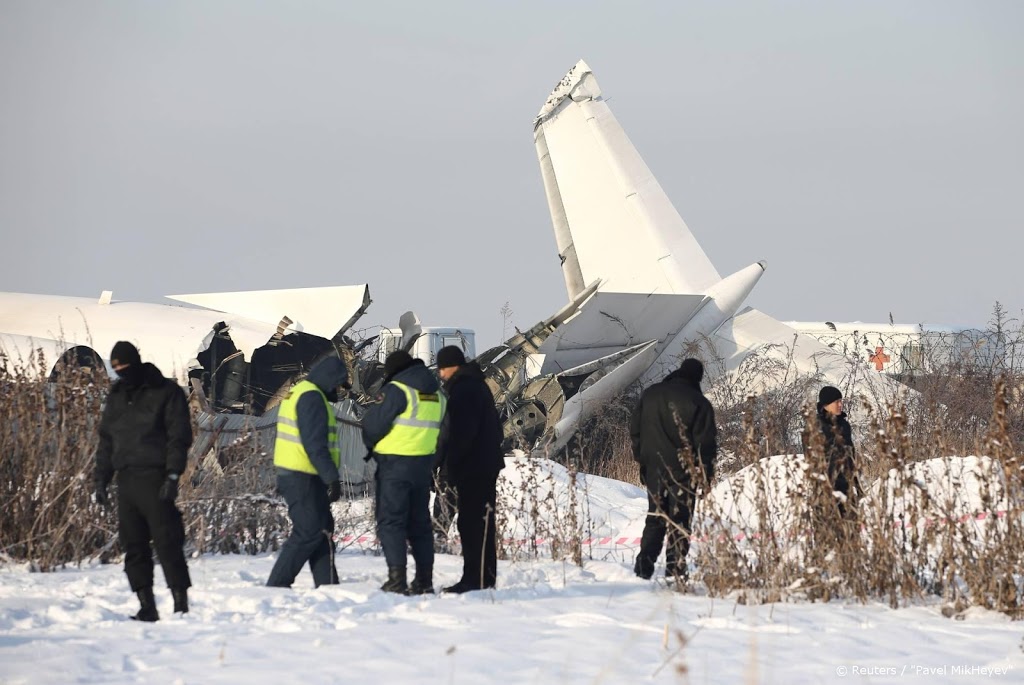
(673, 423)
(144, 426)
(838, 449)
(471, 435)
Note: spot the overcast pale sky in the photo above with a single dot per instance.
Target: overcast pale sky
(870, 151)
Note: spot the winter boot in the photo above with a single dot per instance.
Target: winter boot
(461, 587)
(147, 604)
(644, 566)
(180, 595)
(423, 582)
(396, 581)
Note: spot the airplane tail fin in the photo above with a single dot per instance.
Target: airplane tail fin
(611, 218)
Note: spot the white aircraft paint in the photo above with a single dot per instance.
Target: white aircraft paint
(615, 225)
(170, 336)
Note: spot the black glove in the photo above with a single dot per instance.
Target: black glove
(169, 490)
(100, 496)
(334, 491)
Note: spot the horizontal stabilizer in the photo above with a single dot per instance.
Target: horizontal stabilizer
(608, 322)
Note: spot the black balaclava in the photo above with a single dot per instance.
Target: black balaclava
(126, 353)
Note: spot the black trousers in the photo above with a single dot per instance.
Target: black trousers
(476, 502)
(669, 510)
(403, 509)
(312, 536)
(143, 516)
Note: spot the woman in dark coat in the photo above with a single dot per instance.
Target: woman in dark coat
(839, 450)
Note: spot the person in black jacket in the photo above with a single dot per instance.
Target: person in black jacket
(675, 442)
(306, 458)
(471, 448)
(144, 436)
(839, 450)
(401, 432)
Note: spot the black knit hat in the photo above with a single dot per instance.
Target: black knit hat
(828, 395)
(450, 356)
(125, 353)
(692, 370)
(397, 361)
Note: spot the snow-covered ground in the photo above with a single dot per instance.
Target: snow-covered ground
(548, 622)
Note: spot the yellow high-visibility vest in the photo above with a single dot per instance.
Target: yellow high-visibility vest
(415, 431)
(288, 450)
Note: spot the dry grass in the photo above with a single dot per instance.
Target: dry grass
(770, 530)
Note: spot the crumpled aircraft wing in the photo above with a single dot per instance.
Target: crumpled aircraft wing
(597, 185)
(319, 311)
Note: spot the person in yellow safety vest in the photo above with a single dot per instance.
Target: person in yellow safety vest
(401, 432)
(306, 457)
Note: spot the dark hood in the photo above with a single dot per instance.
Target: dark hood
(328, 373)
(418, 376)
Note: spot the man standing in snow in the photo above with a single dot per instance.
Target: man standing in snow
(471, 449)
(307, 455)
(401, 432)
(145, 433)
(675, 441)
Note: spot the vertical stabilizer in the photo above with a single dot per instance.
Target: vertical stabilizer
(611, 218)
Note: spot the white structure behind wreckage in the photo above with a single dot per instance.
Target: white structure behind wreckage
(643, 294)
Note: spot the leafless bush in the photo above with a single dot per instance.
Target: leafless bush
(543, 514)
(941, 513)
(48, 438)
(47, 435)
(930, 523)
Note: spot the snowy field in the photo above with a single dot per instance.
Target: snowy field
(548, 622)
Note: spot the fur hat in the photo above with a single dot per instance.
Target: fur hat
(692, 370)
(125, 353)
(828, 395)
(450, 356)
(397, 361)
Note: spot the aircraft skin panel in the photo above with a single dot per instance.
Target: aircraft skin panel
(578, 407)
(598, 185)
(169, 336)
(319, 311)
(574, 283)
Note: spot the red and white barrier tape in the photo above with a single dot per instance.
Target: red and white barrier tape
(610, 540)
